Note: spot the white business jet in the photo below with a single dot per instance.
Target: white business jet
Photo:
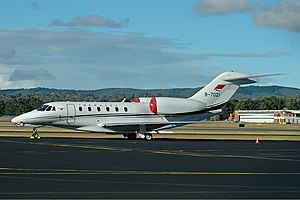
(143, 116)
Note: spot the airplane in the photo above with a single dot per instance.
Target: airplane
(143, 116)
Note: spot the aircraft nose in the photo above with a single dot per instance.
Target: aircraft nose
(17, 119)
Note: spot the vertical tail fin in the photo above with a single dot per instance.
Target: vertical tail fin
(222, 88)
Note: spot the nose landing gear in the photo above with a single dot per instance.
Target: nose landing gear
(35, 134)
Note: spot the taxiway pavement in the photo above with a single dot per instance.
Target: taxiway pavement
(120, 168)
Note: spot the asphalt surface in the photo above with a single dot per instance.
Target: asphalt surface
(120, 168)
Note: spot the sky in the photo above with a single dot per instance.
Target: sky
(94, 44)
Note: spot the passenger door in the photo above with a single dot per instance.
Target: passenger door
(71, 113)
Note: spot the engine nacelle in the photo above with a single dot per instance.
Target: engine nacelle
(170, 105)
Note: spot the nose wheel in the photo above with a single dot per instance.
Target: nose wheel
(35, 134)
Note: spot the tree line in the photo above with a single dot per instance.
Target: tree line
(16, 105)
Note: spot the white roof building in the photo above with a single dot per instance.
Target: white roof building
(268, 116)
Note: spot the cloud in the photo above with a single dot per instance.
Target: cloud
(96, 59)
(249, 55)
(91, 21)
(31, 74)
(37, 47)
(6, 53)
(286, 16)
(81, 59)
(224, 7)
(5, 83)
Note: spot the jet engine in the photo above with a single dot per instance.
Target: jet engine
(170, 105)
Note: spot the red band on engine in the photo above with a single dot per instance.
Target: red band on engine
(153, 105)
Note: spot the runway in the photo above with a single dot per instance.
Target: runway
(120, 168)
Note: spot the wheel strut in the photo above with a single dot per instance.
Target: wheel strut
(35, 134)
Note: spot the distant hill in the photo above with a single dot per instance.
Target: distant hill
(255, 92)
(115, 94)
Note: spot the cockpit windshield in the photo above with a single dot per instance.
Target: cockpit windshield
(42, 108)
(48, 108)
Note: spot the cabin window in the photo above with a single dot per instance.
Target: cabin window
(98, 109)
(49, 108)
(80, 108)
(107, 109)
(116, 109)
(89, 109)
(53, 109)
(125, 109)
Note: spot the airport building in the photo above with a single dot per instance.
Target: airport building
(268, 116)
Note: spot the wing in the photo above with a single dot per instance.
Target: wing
(127, 127)
(146, 126)
(135, 126)
(168, 122)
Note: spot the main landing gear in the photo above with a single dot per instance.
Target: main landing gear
(35, 134)
(146, 136)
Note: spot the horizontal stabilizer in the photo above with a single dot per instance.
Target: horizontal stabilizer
(247, 79)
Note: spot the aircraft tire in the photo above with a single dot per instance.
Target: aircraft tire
(36, 136)
(148, 136)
